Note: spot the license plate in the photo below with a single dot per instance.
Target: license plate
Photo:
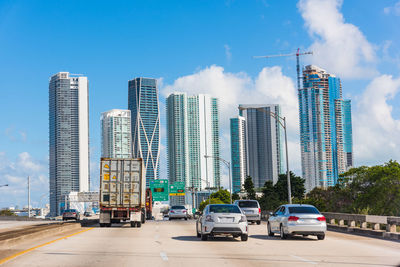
(248, 211)
(226, 220)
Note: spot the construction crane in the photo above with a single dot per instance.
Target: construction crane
(297, 54)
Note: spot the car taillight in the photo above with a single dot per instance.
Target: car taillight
(184, 211)
(321, 219)
(172, 211)
(259, 210)
(74, 213)
(293, 218)
(243, 219)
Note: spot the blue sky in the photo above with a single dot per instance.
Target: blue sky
(193, 46)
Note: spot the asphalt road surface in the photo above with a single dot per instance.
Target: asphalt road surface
(174, 243)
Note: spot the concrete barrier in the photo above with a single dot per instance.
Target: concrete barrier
(358, 224)
(41, 232)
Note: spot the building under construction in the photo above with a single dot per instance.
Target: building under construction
(325, 128)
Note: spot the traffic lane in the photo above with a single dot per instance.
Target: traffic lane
(337, 249)
(174, 243)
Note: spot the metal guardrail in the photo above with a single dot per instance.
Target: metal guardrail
(361, 221)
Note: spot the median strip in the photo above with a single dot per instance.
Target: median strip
(42, 245)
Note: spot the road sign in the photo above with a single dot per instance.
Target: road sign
(159, 189)
(177, 189)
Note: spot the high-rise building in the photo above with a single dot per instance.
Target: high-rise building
(68, 136)
(145, 123)
(192, 133)
(325, 128)
(238, 152)
(116, 134)
(264, 161)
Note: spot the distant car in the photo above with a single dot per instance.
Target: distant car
(251, 209)
(71, 214)
(222, 219)
(87, 214)
(297, 219)
(178, 212)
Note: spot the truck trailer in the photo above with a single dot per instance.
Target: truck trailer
(122, 191)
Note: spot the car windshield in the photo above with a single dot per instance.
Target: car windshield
(177, 207)
(224, 209)
(248, 204)
(70, 211)
(311, 210)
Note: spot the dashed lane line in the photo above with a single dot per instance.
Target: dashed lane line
(303, 259)
(163, 256)
(42, 245)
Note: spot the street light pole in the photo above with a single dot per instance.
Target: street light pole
(228, 164)
(29, 197)
(287, 164)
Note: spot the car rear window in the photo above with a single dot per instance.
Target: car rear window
(311, 210)
(248, 204)
(70, 211)
(177, 207)
(224, 209)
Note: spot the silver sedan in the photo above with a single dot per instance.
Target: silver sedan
(297, 219)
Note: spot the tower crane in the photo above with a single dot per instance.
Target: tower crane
(297, 54)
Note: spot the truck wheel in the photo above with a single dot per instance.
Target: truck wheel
(258, 222)
(139, 224)
(133, 224)
(108, 224)
(101, 224)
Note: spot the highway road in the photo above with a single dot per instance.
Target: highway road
(173, 243)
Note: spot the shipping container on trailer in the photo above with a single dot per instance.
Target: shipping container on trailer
(122, 191)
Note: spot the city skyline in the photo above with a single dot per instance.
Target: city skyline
(214, 55)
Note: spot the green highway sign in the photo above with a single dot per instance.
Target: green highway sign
(159, 189)
(177, 189)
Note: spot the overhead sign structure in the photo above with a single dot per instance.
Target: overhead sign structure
(159, 189)
(177, 189)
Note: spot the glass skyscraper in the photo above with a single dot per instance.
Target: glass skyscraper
(238, 152)
(325, 128)
(69, 138)
(116, 134)
(192, 132)
(262, 137)
(145, 123)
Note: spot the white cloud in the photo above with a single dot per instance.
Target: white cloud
(269, 87)
(377, 132)
(338, 46)
(15, 174)
(395, 9)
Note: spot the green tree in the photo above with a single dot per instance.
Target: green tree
(235, 196)
(204, 203)
(269, 199)
(297, 187)
(249, 188)
(222, 195)
(6, 212)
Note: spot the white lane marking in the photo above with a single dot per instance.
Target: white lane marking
(164, 256)
(303, 259)
(156, 236)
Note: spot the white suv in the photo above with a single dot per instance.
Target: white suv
(222, 219)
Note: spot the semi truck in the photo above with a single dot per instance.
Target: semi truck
(122, 191)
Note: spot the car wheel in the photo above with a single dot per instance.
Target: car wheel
(244, 237)
(185, 218)
(258, 222)
(283, 235)
(204, 237)
(270, 233)
(321, 237)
